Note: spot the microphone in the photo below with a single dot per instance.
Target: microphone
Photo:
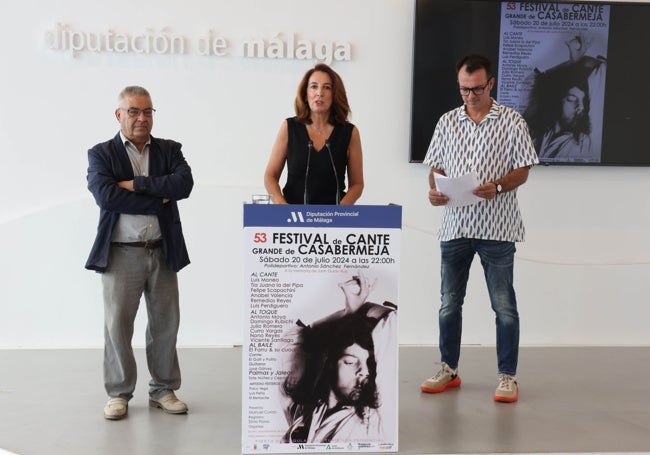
(336, 176)
(310, 146)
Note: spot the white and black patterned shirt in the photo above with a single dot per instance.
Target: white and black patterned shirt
(497, 145)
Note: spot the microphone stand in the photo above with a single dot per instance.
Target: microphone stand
(310, 146)
(336, 176)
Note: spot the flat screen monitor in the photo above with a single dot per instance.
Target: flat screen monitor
(577, 72)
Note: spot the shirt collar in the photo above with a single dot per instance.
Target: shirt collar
(126, 141)
(493, 113)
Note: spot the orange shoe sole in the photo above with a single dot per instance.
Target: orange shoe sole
(450, 384)
(501, 399)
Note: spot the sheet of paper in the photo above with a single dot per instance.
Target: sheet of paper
(458, 189)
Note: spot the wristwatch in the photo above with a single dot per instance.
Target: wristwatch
(499, 187)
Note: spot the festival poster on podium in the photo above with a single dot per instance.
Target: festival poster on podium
(320, 365)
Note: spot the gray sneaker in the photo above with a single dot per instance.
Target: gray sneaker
(443, 379)
(507, 391)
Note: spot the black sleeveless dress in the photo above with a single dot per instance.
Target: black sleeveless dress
(321, 182)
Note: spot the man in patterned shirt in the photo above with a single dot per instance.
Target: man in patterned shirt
(491, 141)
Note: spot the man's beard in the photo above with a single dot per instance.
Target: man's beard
(353, 397)
(573, 123)
(356, 393)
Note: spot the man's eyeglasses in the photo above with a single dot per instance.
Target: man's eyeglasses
(476, 90)
(134, 112)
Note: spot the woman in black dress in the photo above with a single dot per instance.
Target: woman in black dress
(320, 148)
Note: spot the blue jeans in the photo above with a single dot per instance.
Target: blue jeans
(497, 259)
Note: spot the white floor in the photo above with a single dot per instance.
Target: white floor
(573, 400)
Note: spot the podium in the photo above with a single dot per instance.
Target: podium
(320, 365)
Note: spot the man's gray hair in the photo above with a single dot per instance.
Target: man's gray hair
(133, 90)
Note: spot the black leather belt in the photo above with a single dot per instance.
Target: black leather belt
(149, 245)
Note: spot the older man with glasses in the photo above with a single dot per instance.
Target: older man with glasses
(491, 141)
(136, 180)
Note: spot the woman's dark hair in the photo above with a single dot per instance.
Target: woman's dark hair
(340, 107)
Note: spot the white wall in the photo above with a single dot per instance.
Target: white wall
(581, 275)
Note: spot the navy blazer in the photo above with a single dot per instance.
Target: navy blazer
(170, 177)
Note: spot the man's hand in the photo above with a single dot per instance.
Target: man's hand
(356, 291)
(486, 191)
(578, 46)
(437, 198)
(126, 184)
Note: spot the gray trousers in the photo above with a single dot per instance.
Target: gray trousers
(132, 272)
